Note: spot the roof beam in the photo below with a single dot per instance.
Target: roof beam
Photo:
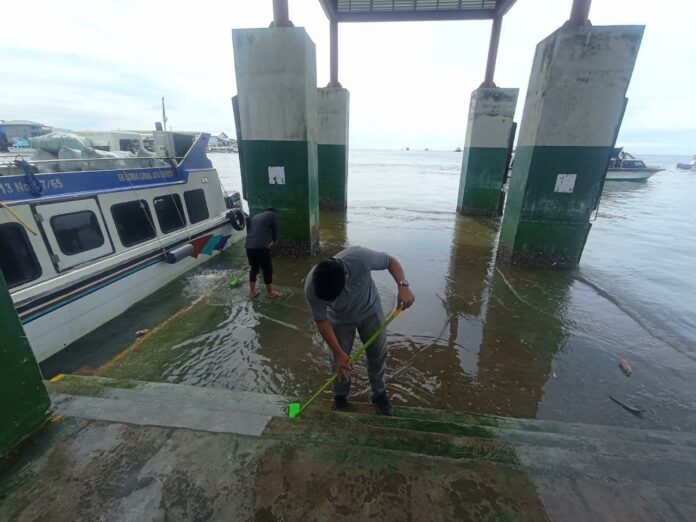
(329, 9)
(504, 6)
(415, 16)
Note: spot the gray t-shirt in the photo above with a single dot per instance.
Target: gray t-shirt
(359, 299)
(259, 227)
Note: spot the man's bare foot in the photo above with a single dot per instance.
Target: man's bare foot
(274, 294)
(254, 295)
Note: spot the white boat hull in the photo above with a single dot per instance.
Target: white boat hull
(630, 175)
(52, 332)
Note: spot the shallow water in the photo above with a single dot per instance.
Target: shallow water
(482, 336)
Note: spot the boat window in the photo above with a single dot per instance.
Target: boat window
(133, 222)
(196, 205)
(18, 262)
(170, 212)
(77, 232)
(128, 145)
(630, 164)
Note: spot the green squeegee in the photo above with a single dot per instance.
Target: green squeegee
(237, 280)
(297, 408)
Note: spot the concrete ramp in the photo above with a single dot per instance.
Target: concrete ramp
(129, 450)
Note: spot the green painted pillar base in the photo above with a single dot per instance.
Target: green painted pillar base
(277, 112)
(25, 404)
(489, 136)
(333, 177)
(333, 107)
(575, 102)
(295, 197)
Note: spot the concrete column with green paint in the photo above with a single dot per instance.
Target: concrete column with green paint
(23, 397)
(575, 101)
(485, 159)
(277, 97)
(332, 146)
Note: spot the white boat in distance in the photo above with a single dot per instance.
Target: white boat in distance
(688, 166)
(625, 167)
(78, 248)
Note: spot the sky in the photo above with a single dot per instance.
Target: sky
(87, 65)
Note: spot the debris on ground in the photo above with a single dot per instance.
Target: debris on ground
(638, 412)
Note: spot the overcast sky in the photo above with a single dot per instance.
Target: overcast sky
(104, 65)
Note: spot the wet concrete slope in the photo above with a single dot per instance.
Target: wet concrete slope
(177, 452)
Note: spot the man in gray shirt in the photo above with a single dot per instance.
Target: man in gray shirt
(260, 228)
(343, 298)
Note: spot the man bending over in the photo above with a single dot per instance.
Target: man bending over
(343, 298)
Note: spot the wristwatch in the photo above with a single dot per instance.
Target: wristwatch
(403, 282)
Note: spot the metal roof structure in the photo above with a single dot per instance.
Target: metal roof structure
(414, 10)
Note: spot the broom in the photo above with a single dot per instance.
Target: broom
(296, 408)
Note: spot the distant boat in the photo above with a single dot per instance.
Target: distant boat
(625, 167)
(407, 148)
(458, 149)
(426, 149)
(688, 166)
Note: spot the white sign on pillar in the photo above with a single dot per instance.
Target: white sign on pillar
(276, 175)
(565, 183)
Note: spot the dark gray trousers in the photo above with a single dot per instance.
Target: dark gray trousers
(376, 352)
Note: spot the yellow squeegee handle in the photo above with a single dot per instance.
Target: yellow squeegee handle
(352, 359)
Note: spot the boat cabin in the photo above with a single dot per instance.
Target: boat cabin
(78, 248)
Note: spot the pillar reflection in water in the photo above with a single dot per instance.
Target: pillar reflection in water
(470, 262)
(523, 330)
(506, 325)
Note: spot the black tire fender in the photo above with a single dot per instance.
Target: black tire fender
(237, 219)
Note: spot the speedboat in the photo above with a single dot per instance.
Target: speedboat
(688, 166)
(82, 240)
(625, 167)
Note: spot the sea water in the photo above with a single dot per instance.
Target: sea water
(482, 336)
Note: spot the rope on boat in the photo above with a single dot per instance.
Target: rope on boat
(18, 219)
(30, 178)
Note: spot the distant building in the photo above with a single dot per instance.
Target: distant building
(22, 129)
(221, 140)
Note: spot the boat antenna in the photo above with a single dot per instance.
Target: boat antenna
(164, 115)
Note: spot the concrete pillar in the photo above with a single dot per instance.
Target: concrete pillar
(25, 404)
(276, 95)
(488, 137)
(573, 109)
(332, 149)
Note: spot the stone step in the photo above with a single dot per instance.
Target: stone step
(619, 443)
(181, 396)
(495, 424)
(159, 413)
(673, 468)
(573, 449)
(471, 460)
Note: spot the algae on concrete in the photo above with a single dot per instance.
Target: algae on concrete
(148, 357)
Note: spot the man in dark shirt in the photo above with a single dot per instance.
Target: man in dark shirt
(259, 228)
(344, 298)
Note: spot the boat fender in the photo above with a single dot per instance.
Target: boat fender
(237, 219)
(177, 254)
(30, 178)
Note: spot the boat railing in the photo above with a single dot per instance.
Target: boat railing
(14, 164)
(76, 160)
